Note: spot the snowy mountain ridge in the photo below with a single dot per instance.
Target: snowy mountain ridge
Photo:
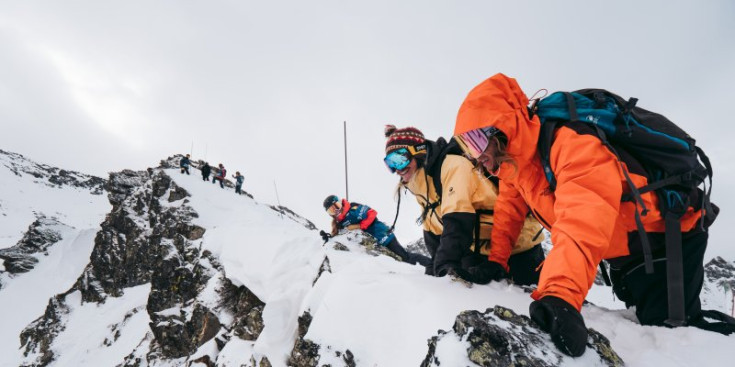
(174, 271)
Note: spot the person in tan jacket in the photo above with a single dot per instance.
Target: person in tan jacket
(457, 224)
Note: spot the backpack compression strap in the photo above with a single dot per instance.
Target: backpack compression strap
(546, 138)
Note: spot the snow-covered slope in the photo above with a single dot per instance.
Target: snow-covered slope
(30, 189)
(182, 272)
(48, 220)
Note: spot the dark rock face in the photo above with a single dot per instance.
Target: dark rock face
(52, 176)
(246, 307)
(284, 211)
(38, 336)
(146, 238)
(499, 337)
(371, 246)
(41, 234)
(131, 242)
(305, 352)
(720, 272)
(324, 267)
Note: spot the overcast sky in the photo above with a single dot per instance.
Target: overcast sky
(264, 86)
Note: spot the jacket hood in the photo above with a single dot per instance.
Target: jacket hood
(343, 212)
(434, 152)
(500, 102)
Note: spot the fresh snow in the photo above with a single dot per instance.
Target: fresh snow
(382, 310)
(24, 297)
(275, 257)
(25, 197)
(90, 335)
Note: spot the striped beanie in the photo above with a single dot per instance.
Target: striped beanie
(402, 138)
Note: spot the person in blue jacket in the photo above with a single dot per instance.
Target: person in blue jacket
(358, 216)
(238, 182)
(184, 164)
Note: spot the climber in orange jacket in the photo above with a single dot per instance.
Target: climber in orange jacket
(585, 215)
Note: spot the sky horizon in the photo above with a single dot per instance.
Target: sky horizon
(264, 88)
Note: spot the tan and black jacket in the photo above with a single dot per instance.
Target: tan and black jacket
(465, 192)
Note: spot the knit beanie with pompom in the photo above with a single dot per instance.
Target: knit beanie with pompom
(402, 138)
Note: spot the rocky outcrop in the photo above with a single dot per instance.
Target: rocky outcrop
(284, 211)
(368, 242)
(720, 272)
(418, 247)
(307, 353)
(246, 308)
(37, 337)
(52, 176)
(148, 237)
(41, 234)
(135, 236)
(499, 337)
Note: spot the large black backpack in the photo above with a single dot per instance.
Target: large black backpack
(650, 145)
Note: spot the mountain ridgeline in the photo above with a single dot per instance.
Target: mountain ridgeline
(163, 267)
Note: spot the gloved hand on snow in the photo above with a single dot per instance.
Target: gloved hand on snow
(485, 272)
(565, 324)
(325, 236)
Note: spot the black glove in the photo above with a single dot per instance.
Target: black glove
(486, 272)
(429, 269)
(325, 236)
(560, 319)
(445, 268)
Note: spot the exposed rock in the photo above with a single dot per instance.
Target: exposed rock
(264, 362)
(180, 334)
(305, 352)
(41, 234)
(499, 337)
(720, 272)
(284, 211)
(52, 176)
(418, 247)
(37, 337)
(144, 241)
(129, 245)
(247, 309)
(373, 248)
(325, 266)
(204, 360)
(340, 247)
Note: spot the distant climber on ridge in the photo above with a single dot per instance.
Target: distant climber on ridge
(358, 216)
(238, 182)
(206, 170)
(184, 163)
(220, 176)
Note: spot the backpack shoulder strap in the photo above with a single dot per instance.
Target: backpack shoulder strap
(545, 139)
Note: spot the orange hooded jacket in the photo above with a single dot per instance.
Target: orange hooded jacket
(587, 220)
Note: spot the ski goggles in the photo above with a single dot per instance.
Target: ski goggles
(474, 142)
(400, 159)
(332, 209)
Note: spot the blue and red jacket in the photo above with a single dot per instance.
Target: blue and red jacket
(366, 217)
